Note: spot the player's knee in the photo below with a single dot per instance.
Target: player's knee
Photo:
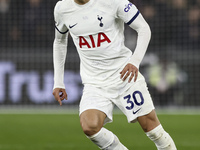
(90, 128)
(161, 138)
(92, 121)
(154, 135)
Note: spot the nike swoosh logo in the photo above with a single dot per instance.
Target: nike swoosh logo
(136, 111)
(72, 26)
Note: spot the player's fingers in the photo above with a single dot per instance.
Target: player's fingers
(56, 95)
(56, 91)
(136, 75)
(122, 74)
(64, 94)
(126, 75)
(61, 95)
(62, 98)
(131, 77)
(124, 71)
(60, 102)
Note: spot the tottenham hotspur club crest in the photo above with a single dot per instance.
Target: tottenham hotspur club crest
(100, 19)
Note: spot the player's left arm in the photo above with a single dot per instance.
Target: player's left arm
(131, 16)
(144, 36)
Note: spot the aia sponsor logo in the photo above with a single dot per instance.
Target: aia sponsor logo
(91, 43)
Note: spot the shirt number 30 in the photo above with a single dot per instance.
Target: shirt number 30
(138, 101)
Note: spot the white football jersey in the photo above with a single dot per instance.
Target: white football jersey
(97, 29)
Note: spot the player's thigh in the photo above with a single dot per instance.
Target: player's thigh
(92, 120)
(149, 121)
(95, 104)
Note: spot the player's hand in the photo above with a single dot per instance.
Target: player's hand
(60, 94)
(131, 70)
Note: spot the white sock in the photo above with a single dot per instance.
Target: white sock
(161, 138)
(116, 145)
(106, 140)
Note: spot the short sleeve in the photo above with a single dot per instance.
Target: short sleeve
(59, 23)
(127, 11)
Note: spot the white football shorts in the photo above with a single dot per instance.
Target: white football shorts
(133, 100)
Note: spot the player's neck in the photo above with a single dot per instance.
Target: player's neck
(81, 2)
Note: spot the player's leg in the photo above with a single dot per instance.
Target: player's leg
(92, 122)
(137, 105)
(96, 110)
(154, 130)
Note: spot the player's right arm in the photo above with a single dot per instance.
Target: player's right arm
(59, 55)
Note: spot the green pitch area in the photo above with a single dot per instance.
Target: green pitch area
(63, 132)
